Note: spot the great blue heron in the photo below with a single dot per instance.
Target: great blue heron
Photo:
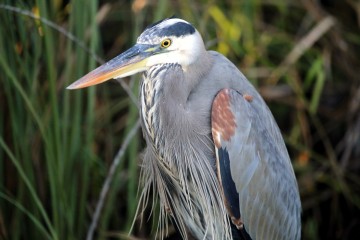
(215, 155)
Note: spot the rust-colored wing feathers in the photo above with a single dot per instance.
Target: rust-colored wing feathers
(222, 118)
(258, 183)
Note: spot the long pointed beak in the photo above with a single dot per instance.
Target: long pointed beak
(128, 63)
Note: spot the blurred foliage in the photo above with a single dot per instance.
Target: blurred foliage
(56, 146)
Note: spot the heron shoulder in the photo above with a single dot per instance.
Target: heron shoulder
(259, 168)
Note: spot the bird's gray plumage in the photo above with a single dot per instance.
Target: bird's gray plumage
(178, 134)
(262, 172)
(174, 132)
(180, 126)
(215, 156)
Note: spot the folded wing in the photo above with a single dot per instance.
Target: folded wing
(259, 186)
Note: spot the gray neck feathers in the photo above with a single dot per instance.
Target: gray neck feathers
(162, 102)
(188, 188)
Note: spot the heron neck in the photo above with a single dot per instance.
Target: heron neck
(165, 94)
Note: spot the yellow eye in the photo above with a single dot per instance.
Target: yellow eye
(166, 43)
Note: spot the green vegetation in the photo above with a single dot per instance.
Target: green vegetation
(57, 146)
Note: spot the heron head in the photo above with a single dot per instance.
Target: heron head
(171, 40)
